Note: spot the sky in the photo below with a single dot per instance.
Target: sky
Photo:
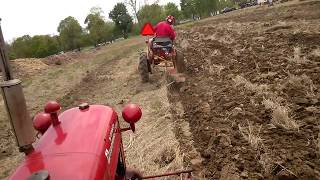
(40, 17)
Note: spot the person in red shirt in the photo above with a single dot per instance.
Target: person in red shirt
(165, 29)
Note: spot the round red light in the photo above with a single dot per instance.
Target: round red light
(131, 113)
(52, 107)
(42, 122)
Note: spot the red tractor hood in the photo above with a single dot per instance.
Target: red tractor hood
(76, 148)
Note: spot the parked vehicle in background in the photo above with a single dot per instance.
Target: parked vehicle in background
(248, 4)
(227, 9)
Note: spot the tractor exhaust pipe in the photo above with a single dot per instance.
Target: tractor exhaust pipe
(15, 103)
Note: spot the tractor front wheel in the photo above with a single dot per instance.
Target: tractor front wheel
(179, 62)
(143, 67)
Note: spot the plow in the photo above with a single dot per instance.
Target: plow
(83, 142)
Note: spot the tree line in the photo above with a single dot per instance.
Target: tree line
(98, 30)
(204, 8)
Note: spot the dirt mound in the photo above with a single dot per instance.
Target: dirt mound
(59, 59)
(252, 95)
(31, 66)
(27, 67)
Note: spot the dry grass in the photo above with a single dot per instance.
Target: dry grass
(318, 142)
(227, 39)
(269, 104)
(266, 162)
(260, 89)
(216, 52)
(302, 83)
(267, 75)
(280, 115)
(297, 56)
(215, 69)
(154, 149)
(316, 52)
(251, 134)
(184, 44)
(270, 166)
(281, 118)
(282, 25)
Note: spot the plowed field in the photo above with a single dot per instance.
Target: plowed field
(252, 95)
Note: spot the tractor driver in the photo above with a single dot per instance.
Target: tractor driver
(165, 29)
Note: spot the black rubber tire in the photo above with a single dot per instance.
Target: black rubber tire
(179, 63)
(143, 67)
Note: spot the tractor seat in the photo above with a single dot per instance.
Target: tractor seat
(162, 42)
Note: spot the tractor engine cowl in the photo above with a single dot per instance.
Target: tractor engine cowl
(86, 144)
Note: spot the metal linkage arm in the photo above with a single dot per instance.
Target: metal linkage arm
(177, 173)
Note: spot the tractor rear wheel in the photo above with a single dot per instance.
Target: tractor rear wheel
(143, 67)
(179, 62)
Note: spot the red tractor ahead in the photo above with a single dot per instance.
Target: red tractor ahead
(161, 50)
(81, 143)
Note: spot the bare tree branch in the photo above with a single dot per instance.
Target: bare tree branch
(133, 6)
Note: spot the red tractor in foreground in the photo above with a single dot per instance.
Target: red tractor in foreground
(161, 52)
(81, 143)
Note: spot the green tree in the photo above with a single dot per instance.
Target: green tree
(203, 8)
(85, 39)
(20, 47)
(96, 10)
(70, 33)
(96, 25)
(34, 47)
(214, 7)
(153, 14)
(44, 45)
(9, 50)
(188, 8)
(225, 3)
(122, 19)
(109, 29)
(172, 9)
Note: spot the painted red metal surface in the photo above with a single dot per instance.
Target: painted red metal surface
(42, 122)
(85, 145)
(147, 30)
(52, 107)
(131, 113)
